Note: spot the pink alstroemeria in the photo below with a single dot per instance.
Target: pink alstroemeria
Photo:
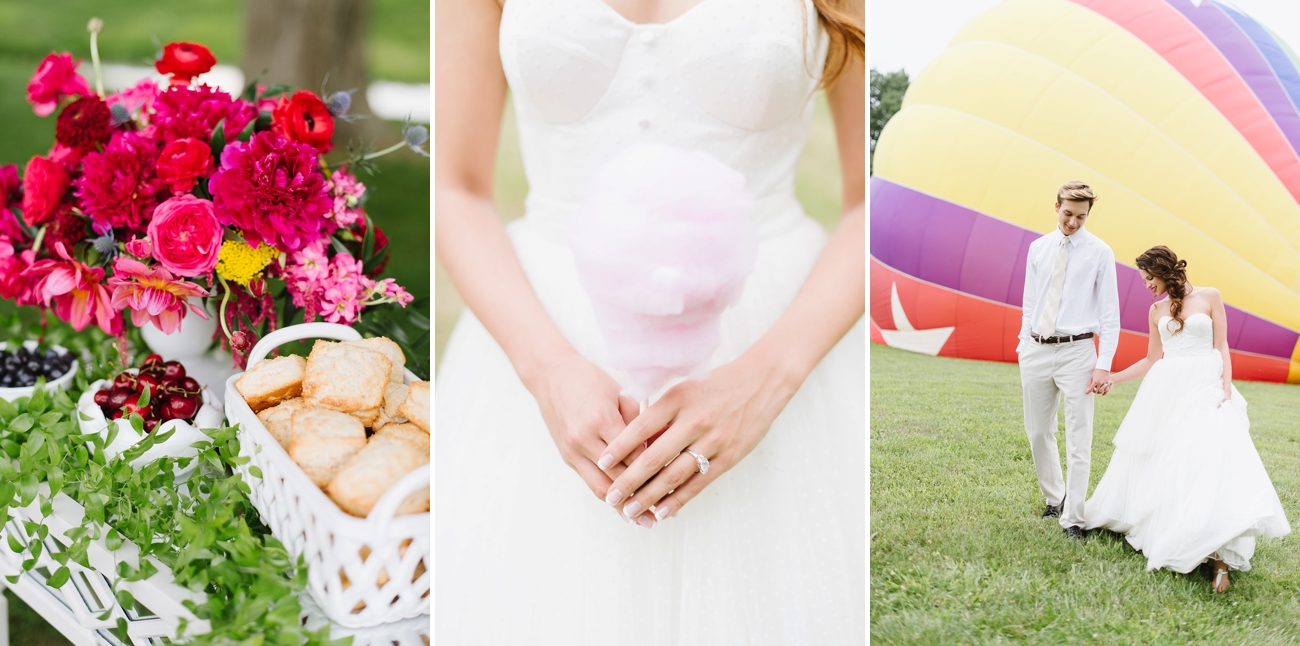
(78, 291)
(153, 295)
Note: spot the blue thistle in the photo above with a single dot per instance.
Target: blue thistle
(415, 137)
(106, 245)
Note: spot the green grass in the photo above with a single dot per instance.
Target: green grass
(960, 555)
(818, 185)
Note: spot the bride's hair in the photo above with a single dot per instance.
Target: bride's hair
(1160, 262)
(847, 38)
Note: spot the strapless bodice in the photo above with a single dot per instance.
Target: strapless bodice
(1196, 337)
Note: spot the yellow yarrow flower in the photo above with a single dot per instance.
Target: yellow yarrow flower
(239, 263)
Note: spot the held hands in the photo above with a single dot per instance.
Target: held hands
(1099, 383)
(722, 418)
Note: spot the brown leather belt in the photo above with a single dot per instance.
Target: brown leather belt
(1061, 339)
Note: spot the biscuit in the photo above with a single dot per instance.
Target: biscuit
(385, 346)
(392, 453)
(323, 440)
(271, 382)
(345, 377)
(368, 417)
(278, 419)
(394, 395)
(416, 406)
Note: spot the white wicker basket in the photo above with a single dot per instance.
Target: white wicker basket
(345, 585)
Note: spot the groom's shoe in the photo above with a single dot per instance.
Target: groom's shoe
(1054, 511)
(1075, 532)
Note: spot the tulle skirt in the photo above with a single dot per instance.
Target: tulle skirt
(771, 553)
(1185, 483)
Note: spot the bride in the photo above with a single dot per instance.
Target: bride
(767, 546)
(1185, 484)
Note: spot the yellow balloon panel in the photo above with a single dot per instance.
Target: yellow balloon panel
(982, 166)
(1121, 66)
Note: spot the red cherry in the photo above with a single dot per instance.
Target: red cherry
(101, 398)
(132, 405)
(118, 397)
(174, 370)
(182, 408)
(150, 360)
(149, 378)
(124, 380)
(190, 384)
(168, 382)
(150, 423)
(117, 414)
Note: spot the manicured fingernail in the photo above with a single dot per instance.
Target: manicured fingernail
(605, 461)
(614, 497)
(661, 512)
(645, 521)
(632, 509)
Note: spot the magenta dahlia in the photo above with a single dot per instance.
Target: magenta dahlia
(186, 111)
(83, 123)
(272, 189)
(118, 187)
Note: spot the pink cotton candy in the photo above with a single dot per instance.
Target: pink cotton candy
(662, 245)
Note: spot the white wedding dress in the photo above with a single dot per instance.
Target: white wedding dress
(773, 551)
(1185, 482)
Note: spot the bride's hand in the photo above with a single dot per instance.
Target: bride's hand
(583, 411)
(722, 417)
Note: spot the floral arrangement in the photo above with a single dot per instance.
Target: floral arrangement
(156, 200)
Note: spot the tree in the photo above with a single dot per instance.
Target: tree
(887, 92)
(309, 43)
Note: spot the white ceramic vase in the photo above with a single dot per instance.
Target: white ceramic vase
(190, 341)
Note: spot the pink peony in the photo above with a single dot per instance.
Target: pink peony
(13, 285)
(185, 235)
(78, 292)
(153, 295)
(182, 162)
(272, 189)
(44, 185)
(118, 188)
(183, 112)
(55, 78)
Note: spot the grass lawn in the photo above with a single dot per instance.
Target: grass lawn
(960, 555)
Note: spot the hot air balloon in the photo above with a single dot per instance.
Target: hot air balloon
(1183, 118)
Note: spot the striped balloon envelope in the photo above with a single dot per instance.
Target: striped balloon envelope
(1182, 116)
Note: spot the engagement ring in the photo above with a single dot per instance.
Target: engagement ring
(701, 462)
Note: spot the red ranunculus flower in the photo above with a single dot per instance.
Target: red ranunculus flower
(185, 61)
(305, 119)
(185, 235)
(273, 190)
(118, 187)
(182, 162)
(55, 78)
(83, 124)
(43, 187)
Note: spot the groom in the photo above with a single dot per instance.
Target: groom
(1070, 297)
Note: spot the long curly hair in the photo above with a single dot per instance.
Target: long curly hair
(1161, 262)
(848, 38)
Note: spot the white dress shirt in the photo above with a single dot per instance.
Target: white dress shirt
(1090, 299)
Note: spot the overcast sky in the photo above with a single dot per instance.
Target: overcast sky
(908, 34)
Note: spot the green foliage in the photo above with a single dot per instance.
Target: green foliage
(960, 555)
(205, 530)
(887, 92)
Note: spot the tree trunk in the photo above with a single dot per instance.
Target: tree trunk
(316, 45)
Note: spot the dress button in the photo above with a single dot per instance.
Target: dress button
(647, 37)
(643, 124)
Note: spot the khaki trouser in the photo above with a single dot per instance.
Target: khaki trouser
(1048, 371)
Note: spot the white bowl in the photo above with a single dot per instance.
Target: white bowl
(26, 391)
(92, 420)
